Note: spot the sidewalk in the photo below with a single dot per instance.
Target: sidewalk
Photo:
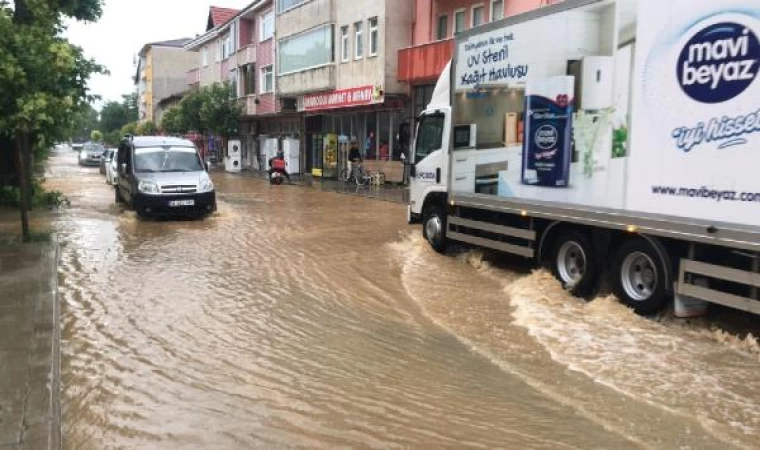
(30, 370)
(389, 192)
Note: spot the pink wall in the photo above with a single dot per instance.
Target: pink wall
(428, 11)
(264, 57)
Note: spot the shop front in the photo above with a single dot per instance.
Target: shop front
(333, 119)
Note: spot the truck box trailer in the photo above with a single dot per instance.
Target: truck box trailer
(614, 137)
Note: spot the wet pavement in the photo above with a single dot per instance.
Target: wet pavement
(296, 317)
(29, 348)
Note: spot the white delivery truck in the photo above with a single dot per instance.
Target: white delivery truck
(616, 137)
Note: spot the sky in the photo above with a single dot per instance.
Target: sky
(127, 25)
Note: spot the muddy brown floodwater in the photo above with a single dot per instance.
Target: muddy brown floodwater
(300, 318)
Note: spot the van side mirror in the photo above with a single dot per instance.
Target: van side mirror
(123, 168)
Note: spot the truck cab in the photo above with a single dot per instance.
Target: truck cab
(429, 165)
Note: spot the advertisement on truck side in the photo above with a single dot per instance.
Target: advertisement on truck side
(696, 110)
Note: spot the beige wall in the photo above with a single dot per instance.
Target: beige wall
(399, 16)
(170, 67)
(312, 80)
(210, 73)
(304, 17)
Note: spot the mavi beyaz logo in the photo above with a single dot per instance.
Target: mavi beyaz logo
(719, 62)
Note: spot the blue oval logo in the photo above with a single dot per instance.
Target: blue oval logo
(546, 137)
(719, 63)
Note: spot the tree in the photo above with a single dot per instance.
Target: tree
(129, 129)
(44, 79)
(84, 121)
(221, 111)
(147, 128)
(96, 136)
(190, 111)
(115, 115)
(171, 122)
(112, 138)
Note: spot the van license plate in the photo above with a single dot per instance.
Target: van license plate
(182, 203)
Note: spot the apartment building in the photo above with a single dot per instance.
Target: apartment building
(434, 26)
(239, 47)
(336, 63)
(160, 75)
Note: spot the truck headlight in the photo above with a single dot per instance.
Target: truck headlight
(205, 185)
(148, 187)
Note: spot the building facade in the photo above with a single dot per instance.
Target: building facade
(160, 75)
(336, 63)
(436, 22)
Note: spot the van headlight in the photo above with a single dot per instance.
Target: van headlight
(205, 185)
(148, 187)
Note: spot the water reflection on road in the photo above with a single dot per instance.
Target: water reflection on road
(295, 317)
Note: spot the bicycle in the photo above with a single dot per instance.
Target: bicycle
(358, 174)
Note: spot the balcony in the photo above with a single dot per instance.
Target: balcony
(249, 105)
(246, 55)
(424, 63)
(194, 77)
(310, 80)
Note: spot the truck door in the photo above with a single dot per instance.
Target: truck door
(429, 155)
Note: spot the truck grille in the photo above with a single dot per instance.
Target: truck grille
(179, 189)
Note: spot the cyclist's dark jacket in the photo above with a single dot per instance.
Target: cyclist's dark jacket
(353, 155)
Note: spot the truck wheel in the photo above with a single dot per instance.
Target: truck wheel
(573, 263)
(434, 227)
(638, 277)
(117, 196)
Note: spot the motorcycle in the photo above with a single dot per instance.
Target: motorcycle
(276, 178)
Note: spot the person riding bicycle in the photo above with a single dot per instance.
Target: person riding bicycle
(277, 164)
(354, 157)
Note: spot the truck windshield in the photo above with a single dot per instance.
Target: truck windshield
(173, 159)
(429, 136)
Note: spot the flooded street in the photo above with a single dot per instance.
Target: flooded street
(295, 317)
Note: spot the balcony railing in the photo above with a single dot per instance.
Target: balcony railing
(424, 62)
(194, 77)
(246, 55)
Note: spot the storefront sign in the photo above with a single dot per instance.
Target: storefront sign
(365, 95)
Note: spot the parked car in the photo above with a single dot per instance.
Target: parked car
(105, 159)
(91, 154)
(163, 176)
(112, 167)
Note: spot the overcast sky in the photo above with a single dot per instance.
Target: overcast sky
(127, 25)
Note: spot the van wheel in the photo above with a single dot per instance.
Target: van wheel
(117, 196)
(141, 213)
(434, 227)
(573, 263)
(638, 277)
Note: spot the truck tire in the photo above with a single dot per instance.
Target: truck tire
(638, 277)
(573, 263)
(118, 199)
(434, 227)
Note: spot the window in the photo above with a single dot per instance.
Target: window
(307, 50)
(359, 41)
(218, 55)
(234, 83)
(227, 48)
(497, 10)
(204, 56)
(344, 50)
(429, 136)
(373, 37)
(459, 21)
(267, 80)
(249, 79)
(478, 15)
(266, 29)
(443, 28)
(283, 5)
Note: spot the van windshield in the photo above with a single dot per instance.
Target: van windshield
(167, 159)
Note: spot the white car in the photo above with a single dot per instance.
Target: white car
(112, 172)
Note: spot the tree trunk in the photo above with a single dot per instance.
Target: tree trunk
(21, 140)
(29, 166)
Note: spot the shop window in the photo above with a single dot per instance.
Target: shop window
(422, 96)
(384, 136)
(373, 37)
(370, 136)
(443, 27)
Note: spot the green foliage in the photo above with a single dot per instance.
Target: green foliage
(211, 109)
(10, 196)
(130, 128)
(190, 111)
(147, 128)
(112, 138)
(96, 136)
(115, 115)
(84, 120)
(171, 122)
